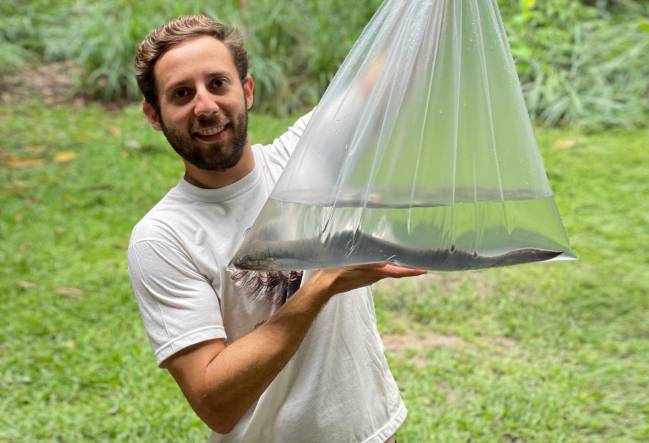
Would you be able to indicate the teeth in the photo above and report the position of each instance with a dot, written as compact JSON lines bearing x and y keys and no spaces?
{"x":211,"y":131}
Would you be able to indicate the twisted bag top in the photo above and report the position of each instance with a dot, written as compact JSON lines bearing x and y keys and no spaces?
{"x":420,"y":153}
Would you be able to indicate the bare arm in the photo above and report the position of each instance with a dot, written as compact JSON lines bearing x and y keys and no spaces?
{"x":221,"y":383}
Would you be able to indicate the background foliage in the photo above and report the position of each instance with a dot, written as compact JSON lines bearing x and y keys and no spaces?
{"x":581,"y":62}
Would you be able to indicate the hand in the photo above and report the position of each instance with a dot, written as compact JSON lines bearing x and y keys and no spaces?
{"x":345,"y":279}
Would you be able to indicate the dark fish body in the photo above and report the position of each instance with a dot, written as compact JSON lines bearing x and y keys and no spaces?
{"x":349,"y":248}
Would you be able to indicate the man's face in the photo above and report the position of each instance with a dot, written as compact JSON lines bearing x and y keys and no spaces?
{"x":203,"y":103}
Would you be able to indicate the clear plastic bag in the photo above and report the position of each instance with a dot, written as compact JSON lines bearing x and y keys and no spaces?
{"x":421,"y":153}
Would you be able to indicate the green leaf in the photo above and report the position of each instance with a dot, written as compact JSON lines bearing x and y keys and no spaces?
{"x":644,"y":26}
{"x":526,"y":7}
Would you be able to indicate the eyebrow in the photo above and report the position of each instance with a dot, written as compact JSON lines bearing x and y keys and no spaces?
{"x":178,"y":83}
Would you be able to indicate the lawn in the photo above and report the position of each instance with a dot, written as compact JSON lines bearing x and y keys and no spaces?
{"x":539,"y":353}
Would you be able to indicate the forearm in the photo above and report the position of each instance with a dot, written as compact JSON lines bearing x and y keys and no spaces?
{"x":223,"y":382}
{"x":237,"y":377}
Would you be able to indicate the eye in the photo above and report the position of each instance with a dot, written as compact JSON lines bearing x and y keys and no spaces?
{"x":217,"y":83}
{"x":180,"y":93}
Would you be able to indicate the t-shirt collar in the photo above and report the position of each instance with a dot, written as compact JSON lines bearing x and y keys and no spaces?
{"x":225,"y":193}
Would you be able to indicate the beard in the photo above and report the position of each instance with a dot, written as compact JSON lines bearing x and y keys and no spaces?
{"x":216,"y":156}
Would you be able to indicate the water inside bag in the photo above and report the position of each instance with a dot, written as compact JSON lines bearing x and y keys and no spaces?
{"x":421,"y":153}
{"x":470,"y":235}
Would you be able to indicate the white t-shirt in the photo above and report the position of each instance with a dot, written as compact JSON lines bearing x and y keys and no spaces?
{"x":336,"y":388}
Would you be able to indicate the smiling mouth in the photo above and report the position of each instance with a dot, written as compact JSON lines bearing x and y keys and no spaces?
{"x":212,"y":134}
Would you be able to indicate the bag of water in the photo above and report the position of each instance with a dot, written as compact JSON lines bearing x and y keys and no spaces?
{"x":421,"y":154}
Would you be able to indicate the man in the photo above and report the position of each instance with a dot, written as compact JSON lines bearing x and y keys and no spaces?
{"x":255,"y":365}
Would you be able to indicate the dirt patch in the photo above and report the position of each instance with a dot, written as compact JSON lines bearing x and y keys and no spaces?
{"x":419,"y":343}
{"x":53,"y":82}
{"x":505,"y":343}
{"x":445,"y":282}
{"x":401,"y":342}
{"x":414,"y":345}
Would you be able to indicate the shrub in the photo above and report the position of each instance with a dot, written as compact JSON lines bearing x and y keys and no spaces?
{"x":580,"y":62}
{"x":34,"y":30}
{"x":296,"y":48}
{"x":579,"y":66}
{"x":18,"y":38}
{"x":291,"y":55}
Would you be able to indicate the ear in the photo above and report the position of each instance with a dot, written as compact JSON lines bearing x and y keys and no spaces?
{"x":248,"y":90}
{"x":151,"y":115}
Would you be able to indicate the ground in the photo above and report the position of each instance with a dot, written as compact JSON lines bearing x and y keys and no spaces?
{"x":534,"y":353}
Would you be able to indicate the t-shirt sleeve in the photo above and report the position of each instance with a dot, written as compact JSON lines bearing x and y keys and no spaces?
{"x":282,"y":148}
{"x":179,"y":306}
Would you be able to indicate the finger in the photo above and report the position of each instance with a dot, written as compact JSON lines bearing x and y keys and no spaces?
{"x":369,"y":267}
{"x":388,"y":270}
{"x":400,"y":271}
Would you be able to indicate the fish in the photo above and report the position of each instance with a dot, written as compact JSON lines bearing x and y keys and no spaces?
{"x":349,"y":248}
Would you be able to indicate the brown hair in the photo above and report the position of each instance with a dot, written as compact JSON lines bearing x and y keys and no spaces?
{"x":176,"y":31}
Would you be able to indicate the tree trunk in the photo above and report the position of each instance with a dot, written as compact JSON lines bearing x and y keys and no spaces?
{"x":244,"y":13}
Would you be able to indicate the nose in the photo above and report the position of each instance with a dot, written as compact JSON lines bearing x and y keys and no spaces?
{"x":205,"y":103}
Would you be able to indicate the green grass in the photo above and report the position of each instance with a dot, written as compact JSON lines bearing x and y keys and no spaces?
{"x":552,"y":352}
{"x":547,"y":352}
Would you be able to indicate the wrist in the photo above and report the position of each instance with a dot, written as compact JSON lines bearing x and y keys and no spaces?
{"x":322,"y":285}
